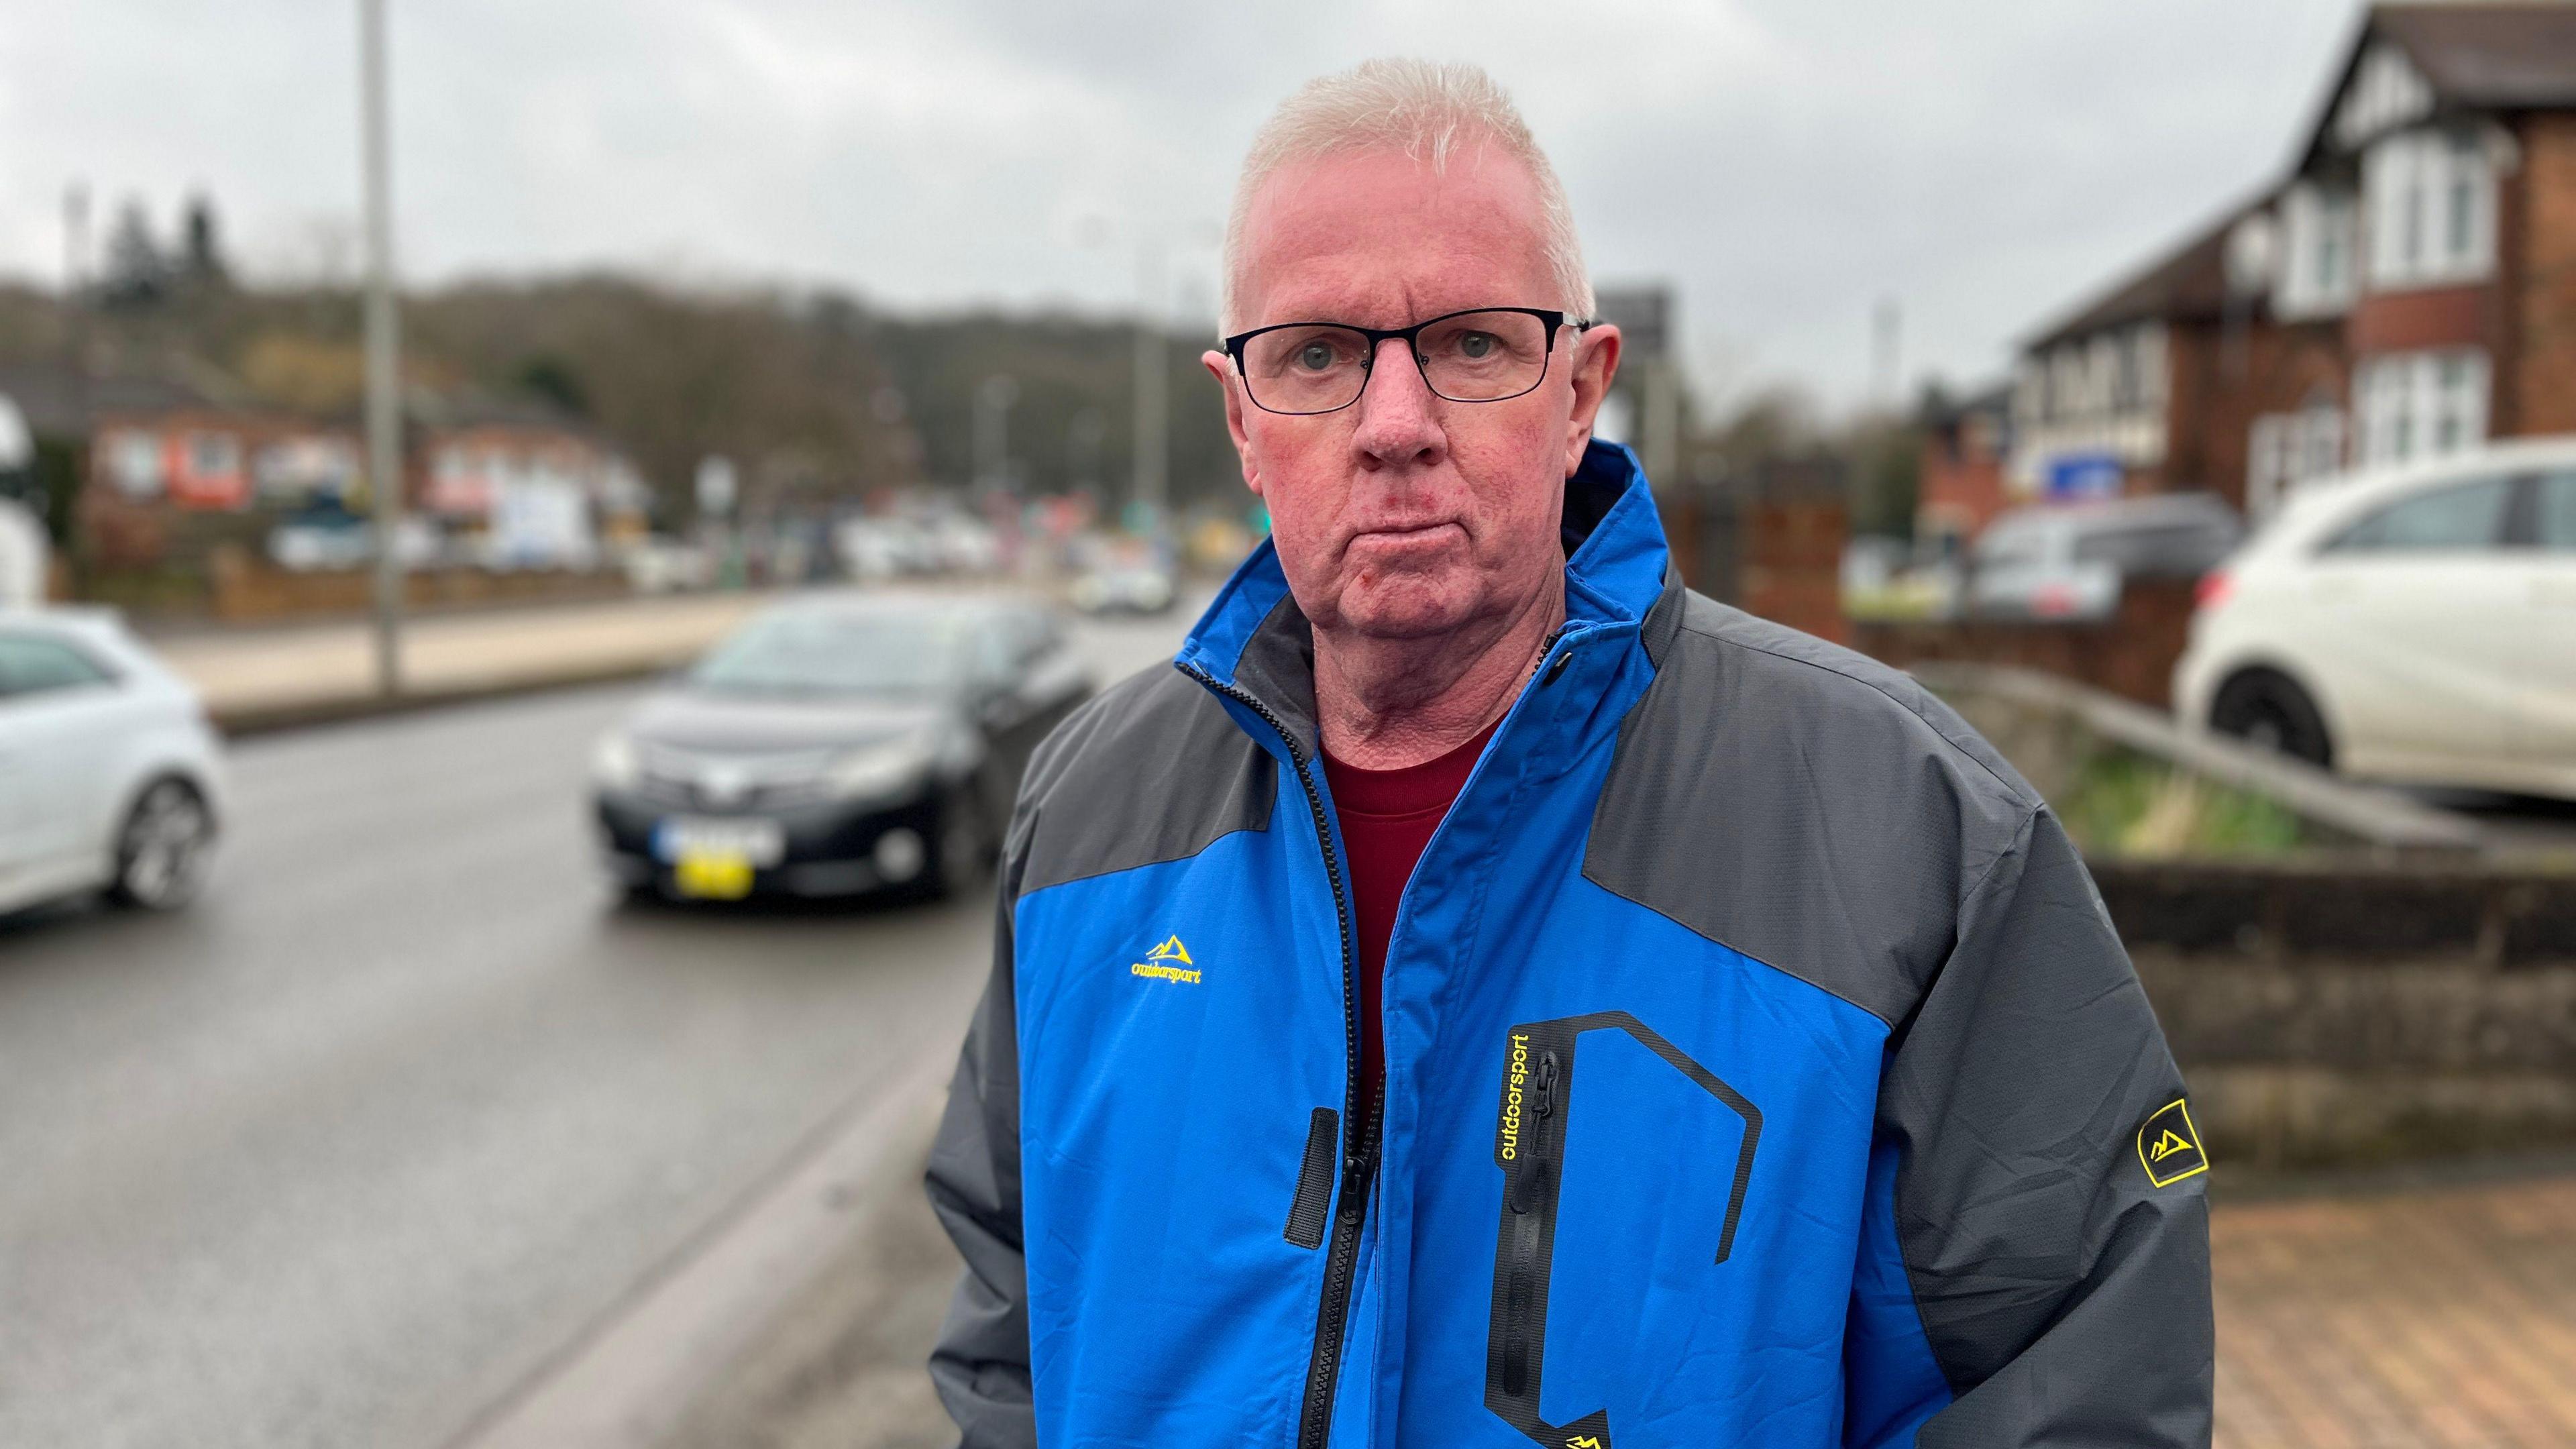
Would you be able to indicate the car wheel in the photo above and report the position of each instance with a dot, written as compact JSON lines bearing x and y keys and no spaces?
{"x":2265,"y":707}
{"x":163,"y":849}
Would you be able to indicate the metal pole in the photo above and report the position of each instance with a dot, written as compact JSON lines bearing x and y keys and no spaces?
{"x":1152,"y":410}
{"x":384,"y":351}
{"x":76,"y":334}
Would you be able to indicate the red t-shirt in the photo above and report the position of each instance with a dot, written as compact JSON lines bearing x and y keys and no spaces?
{"x":1387,"y":817}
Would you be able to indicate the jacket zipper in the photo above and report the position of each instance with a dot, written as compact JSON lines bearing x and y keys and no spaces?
{"x":1524,"y":1199}
{"x":1359,"y":1166}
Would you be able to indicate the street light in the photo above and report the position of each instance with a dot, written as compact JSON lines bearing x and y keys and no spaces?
{"x":993,"y":399}
{"x":1153,"y":409}
{"x":384,"y":348}
{"x":1152,"y":392}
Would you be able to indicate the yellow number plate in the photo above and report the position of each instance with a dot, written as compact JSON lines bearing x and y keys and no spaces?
{"x":715,"y":875}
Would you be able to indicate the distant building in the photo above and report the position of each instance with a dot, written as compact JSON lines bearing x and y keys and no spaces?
{"x":1960,"y":479}
{"x":527,"y":490}
{"x":2409,"y":287}
{"x":168,"y":474}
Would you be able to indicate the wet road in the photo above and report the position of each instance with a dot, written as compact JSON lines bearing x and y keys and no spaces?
{"x":341,"y":1153}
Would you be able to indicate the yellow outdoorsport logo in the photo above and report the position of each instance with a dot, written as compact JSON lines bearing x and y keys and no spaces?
{"x":1584,"y":1441}
{"x":1515,"y":1077}
{"x":2169,"y":1146}
{"x":1169,"y":961}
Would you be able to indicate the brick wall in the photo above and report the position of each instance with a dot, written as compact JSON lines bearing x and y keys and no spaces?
{"x":2220,"y":384}
{"x":2131,"y":654}
{"x":1792,"y":573}
{"x":2536,"y":386}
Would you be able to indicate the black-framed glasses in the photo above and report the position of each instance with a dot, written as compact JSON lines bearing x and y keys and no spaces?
{"x":1486,"y":354}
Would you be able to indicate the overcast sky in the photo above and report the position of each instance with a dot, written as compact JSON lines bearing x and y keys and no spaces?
{"x":1783,"y":163}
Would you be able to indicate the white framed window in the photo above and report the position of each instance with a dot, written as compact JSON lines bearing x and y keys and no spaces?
{"x":213,"y":455}
{"x":2318,"y":231}
{"x":2429,"y":196}
{"x":2420,"y":404}
{"x":134,"y":460}
{"x":2288,"y":450}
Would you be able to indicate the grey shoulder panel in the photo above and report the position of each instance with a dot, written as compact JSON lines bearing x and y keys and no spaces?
{"x":1804,"y":805}
{"x":1152,"y":769}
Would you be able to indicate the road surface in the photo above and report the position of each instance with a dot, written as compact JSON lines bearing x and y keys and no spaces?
{"x":343,"y":1153}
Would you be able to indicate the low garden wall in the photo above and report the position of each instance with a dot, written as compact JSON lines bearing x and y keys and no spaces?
{"x":244,"y":590}
{"x":2348,"y":1012}
{"x":2345,"y":976}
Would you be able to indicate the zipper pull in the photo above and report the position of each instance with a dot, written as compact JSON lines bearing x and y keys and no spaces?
{"x":1546,"y":1085}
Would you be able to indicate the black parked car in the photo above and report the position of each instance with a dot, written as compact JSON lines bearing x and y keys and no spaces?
{"x":834,"y":745}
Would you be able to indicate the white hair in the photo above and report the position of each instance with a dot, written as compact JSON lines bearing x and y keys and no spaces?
{"x":1427,"y":111}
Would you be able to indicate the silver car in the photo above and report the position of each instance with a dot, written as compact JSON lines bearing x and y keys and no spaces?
{"x":2067,"y":561}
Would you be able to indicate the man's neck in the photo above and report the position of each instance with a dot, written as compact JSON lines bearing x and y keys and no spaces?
{"x":1384,"y":704}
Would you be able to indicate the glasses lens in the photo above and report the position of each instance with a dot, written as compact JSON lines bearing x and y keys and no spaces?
{"x":1306,"y":369}
{"x":1484,"y":356}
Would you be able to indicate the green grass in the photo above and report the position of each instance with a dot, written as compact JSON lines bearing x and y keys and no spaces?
{"x":2122,"y":803}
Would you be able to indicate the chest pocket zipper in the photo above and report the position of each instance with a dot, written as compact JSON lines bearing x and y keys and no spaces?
{"x":1529,"y":1147}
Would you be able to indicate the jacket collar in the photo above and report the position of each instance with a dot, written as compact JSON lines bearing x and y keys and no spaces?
{"x":1253,"y":642}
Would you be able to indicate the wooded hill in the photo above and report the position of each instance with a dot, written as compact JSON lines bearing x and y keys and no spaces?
{"x":815,"y":394}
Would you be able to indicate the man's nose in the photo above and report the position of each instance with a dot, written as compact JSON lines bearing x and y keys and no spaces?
{"x":1399,"y":423}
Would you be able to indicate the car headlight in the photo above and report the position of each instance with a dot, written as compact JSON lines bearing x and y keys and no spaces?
{"x":615,"y":763}
{"x":886,"y":768}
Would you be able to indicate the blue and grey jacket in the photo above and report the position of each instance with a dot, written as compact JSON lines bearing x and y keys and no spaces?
{"x":1761,"y":1069}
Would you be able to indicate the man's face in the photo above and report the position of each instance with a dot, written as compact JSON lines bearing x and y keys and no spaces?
{"x":1404,"y":514}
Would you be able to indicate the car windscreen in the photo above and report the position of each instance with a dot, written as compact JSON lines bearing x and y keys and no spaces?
{"x":839,"y":652}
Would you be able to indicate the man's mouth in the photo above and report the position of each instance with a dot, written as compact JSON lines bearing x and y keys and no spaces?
{"x":1400,"y":535}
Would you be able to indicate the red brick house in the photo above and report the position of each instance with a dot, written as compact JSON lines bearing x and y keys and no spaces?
{"x":2408,"y":288}
{"x":1960,"y":477}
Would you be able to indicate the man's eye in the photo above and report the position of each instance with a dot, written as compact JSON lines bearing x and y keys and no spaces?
{"x":1477,"y":345}
{"x":1315,"y":357}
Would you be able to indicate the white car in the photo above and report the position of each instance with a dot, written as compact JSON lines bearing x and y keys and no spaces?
{"x":110,"y":777}
{"x":2414,"y":625}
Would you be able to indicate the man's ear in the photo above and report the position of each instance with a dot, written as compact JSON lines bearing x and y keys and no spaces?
{"x":1221,"y":367}
{"x":1596,"y":363}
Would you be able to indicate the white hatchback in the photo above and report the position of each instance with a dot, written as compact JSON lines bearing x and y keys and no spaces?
{"x":110,"y":777}
{"x":2414,"y":625}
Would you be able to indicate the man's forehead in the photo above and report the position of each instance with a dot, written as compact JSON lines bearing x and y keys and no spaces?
{"x":1379,"y":239}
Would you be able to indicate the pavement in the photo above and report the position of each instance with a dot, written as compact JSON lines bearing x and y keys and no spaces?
{"x":2436,"y":1317}
{"x":273,"y":677}
{"x":406,"y":1109}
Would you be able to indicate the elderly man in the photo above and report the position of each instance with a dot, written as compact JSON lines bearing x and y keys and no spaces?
{"x":1485,"y":993}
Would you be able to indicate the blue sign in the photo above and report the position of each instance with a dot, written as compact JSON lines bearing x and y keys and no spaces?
{"x":2083,"y":475}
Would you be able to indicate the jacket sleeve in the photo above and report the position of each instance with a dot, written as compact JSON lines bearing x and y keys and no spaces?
{"x":2060,"y":1283}
{"x":980,"y":1364}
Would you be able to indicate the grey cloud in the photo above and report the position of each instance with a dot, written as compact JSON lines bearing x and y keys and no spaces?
{"x":1786,"y":164}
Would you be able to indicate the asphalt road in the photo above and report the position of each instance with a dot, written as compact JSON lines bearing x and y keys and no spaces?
{"x":341,"y":1154}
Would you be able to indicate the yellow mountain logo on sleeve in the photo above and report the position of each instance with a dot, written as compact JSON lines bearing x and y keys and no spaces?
{"x":1169,"y":961}
{"x":2169,"y":1146}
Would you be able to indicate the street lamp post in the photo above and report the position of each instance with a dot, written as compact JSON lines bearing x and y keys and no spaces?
{"x":384,"y":349}
{"x":993,"y":399}
{"x":1153,"y":407}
